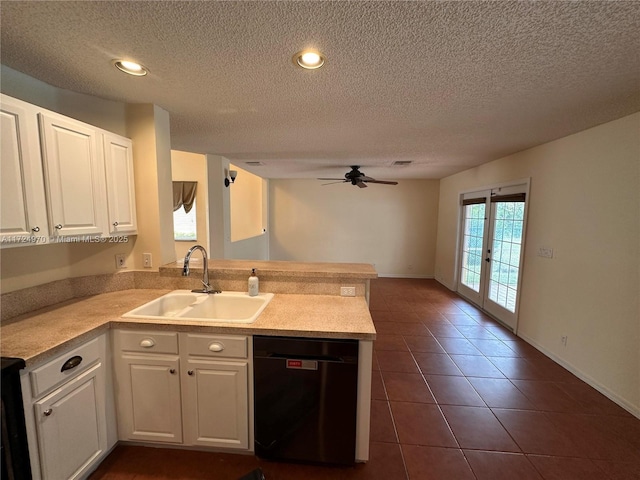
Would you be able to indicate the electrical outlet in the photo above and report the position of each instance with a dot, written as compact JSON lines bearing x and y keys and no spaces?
{"x":348,"y":291}
{"x":146,"y":260}
{"x":563,"y":340}
{"x":121,"y":261}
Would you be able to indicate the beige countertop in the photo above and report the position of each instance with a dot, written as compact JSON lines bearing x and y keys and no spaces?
{"x":40,"y":335}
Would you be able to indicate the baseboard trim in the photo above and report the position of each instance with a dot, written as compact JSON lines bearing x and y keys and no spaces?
{"x":400,"y":275}
{"x":632,"y":409}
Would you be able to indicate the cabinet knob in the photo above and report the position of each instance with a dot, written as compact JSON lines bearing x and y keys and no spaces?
{"x":147,"y":343}
{"x":190,"y":372}
{"x":216,"y":347}
{"x":35,"y":229}
{"x":48,"y":412}
{"x":172,"y":371}
{"x":115,"y":224}
{"x":58,"y":226}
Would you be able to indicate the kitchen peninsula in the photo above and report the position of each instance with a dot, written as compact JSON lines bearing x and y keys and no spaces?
{"x":307,"y":304}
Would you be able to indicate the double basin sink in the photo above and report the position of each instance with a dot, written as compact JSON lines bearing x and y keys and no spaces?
{"x":230,"y":307}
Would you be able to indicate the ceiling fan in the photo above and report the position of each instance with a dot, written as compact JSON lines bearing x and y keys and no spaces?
{"x":356,"y":177}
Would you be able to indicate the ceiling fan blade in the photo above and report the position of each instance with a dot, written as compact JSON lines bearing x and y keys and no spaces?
{"x":384,"y":182}
{"x":361,"y":184}
{"x":331,"y":183}
{"x":336,"y":179}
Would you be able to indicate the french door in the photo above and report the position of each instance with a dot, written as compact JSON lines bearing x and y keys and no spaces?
{"x":491,"y":250}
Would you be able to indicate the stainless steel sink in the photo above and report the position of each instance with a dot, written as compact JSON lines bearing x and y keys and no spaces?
{"x":232,"y":307}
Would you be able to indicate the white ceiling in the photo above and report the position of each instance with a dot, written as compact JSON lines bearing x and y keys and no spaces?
{"x":446,"y":85}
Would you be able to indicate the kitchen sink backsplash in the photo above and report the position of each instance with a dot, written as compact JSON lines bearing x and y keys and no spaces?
{"x":18,"y":302}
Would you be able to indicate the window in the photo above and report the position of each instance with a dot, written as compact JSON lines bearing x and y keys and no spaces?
{"x":184,"y":224}
{"x":184,"y":211}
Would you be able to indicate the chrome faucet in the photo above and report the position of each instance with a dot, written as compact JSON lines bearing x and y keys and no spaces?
{"x":205,"y":274}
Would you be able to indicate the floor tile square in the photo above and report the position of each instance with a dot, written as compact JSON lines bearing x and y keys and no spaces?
{"x":493,"y":348}
{"x":451,"y":390}
{"x":565,"y":468}
{"x":476,"y":366}
{"x":421,"y":424}
{"x":382,"y":428}
{"x":391,"y":361}
{"x":386,"y":341}
{"x":501,"y":466}
{"x":500,"y":393}
{"x":437,"y":364}
{"x":407,"y":387}
{"x":431,"y":463}
{"x":477,"y":428}
{"x":547,"y":396}
{"x":377,"y":387}
{"x":458,"y":346}
{"x":535,"y":433}
{"x":423,"y":344}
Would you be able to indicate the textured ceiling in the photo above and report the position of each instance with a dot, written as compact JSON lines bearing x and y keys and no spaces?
{"x":446,"y":85}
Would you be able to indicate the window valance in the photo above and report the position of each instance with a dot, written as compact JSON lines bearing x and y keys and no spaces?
{"x":184,"y":194}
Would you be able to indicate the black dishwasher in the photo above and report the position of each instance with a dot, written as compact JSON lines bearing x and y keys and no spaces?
{"x":305,"y":399}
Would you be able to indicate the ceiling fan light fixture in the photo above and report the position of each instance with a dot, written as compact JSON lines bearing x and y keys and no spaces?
{"x":131,"y":68}
{"x":309,"y":59}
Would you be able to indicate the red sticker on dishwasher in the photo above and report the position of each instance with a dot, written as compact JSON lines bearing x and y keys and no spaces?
{"x":302,"y":364}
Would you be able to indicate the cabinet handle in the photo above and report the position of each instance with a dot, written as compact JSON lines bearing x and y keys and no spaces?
{"x":48,"y":412}
{"x":216,"y":347}
{"x":172,"y":371}
{"x":73,"y":362}
{"x":147,"y":343}
{"x":115,"y":224}
{"x":58,"y":226}
{"x":190,"y":372}
{"x":35,"y":229}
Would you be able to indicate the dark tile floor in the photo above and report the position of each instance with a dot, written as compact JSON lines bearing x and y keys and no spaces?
{"x":455,"y":397}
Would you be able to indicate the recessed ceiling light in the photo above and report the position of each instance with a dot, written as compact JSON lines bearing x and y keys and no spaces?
{"x":132,"y":68}
{"x":309,"y":59}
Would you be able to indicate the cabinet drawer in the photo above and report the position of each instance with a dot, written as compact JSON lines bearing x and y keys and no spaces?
{"x":64,"y":367}
{"x":149,"y":342}
{"x":216,"y":345}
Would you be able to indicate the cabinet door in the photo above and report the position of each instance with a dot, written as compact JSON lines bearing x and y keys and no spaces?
{"x":216,"y":399}
{"x":148,"y":398}
{"x":74,"y":176}
{"x":120,"y":185}
{"x":71,"y":426}
{"x":23,"y":216}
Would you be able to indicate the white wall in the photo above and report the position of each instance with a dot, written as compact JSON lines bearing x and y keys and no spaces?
{"x":254,"y":248}
{"x":246,"y":205}
{"x":584,"y":203}
{"x":393,"y":227}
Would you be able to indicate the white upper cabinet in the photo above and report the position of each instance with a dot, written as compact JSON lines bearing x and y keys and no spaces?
{"x":120,"y":185}
{"x":62,"y":178}
{"x":23,"y":216}
{"x":74,"y":176}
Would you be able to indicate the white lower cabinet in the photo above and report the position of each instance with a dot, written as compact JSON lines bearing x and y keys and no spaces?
{"x":185,"y":388}
{"x":69,"y":432}
{"x":67,"y":396}
{"x":152,"y":387}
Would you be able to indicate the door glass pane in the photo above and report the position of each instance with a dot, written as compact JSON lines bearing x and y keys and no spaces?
{"x":505,"y":253}
{"x":472,"y":245}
